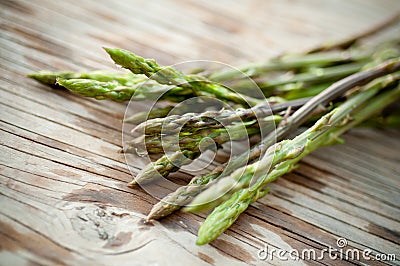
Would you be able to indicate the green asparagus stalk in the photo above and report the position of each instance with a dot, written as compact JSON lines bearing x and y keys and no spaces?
{"x":185,"y":194}
{"x":170,"y":76}
{"x":50,"y":78}
{"x":145,"y":90}
{"x":324,"y":132}
{"x":115,"y":86}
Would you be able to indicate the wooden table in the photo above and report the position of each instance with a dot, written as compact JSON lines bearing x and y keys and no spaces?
{"x":63,"y":189}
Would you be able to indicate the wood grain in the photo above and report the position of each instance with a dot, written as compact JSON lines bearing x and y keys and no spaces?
{"x":63,"y":193}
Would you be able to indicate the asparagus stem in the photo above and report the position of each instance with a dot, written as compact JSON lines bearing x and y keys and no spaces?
{"x":115,"y":86}
{"x":143,"y":90}
{"x":170,"y":76}
{"x":196,"y":105}
{"x":50,"y":78}
{"x":289,"y":152}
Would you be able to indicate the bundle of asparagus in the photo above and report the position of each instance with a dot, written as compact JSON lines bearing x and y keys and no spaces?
{"x":236,"y":189}
{"x":333,"y":88}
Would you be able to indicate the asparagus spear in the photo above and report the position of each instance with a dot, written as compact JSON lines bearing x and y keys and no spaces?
{"x":170,"y":76}
{"x":325,"y":131}
{"x":194,"y":105}
{"x":115,"y":86}
{"x":50,"y":78}
{"x":144,"y":90}
{"x":183,"y":195}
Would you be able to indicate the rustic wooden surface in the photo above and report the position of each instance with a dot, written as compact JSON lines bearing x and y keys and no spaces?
{"x":63,"y":193}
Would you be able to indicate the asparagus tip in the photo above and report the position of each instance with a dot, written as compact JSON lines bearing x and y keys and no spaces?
{"x":149,"y":218}
{"x":132,"y":184}
{"x":45,"y":77}
{"x":107,"y":49}
{"x":113,"y":51}
{"x":201,"y":241}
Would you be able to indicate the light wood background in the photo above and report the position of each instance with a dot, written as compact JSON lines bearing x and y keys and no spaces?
{"x":63,"y":194}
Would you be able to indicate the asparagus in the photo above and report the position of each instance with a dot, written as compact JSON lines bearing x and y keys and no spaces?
{"x":144,"y":90}
{"x":149,"y":175}
{"x":215,"y":119}
{"x":193,"y":105}
{"x":183,"y":195}
{"x":190,"y":140}
{"x":292,"y":62}
{"x":170,"y":76}
{"x":311,"y":73}
{"x":311,"y":78}
{"x":314,"y":76}
{"x":289,"y":152}
{"x":203,"y":199}
{"x":158,"y":144}
{"x":189,"y":148}
{"x":50,"y":78}
{"x":115,"y":86}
